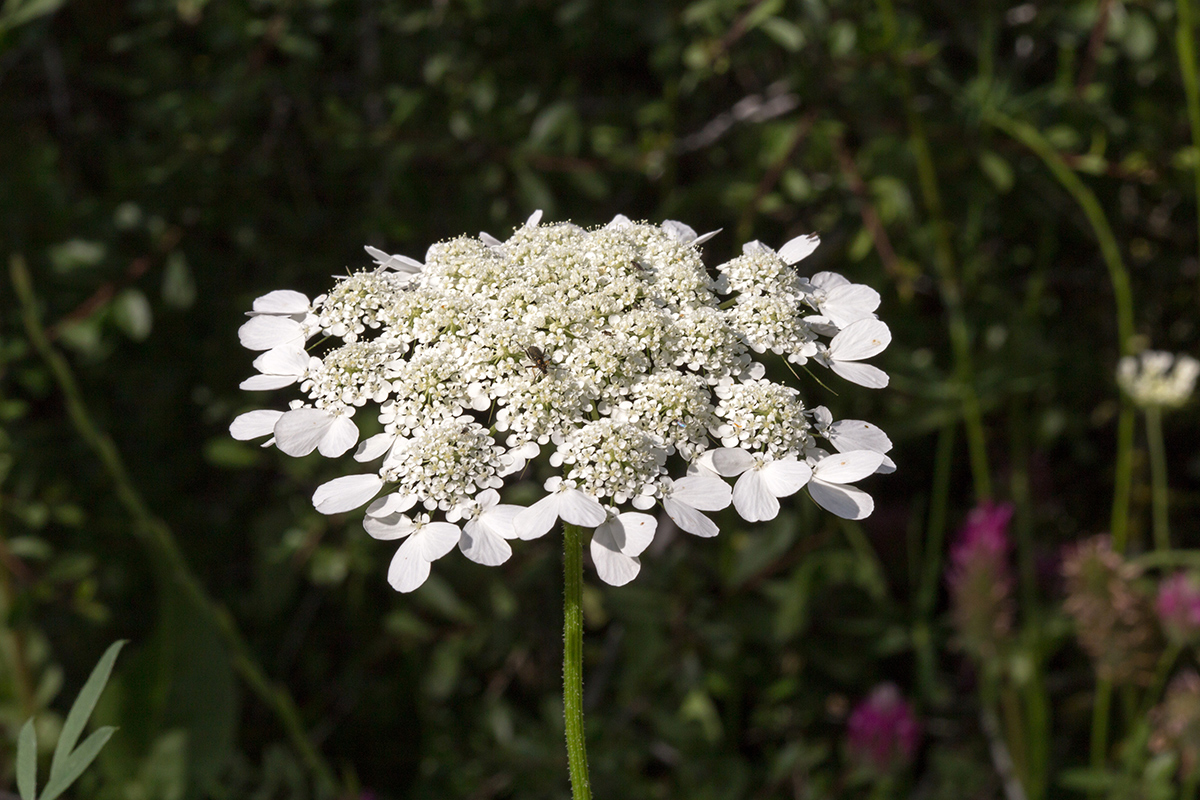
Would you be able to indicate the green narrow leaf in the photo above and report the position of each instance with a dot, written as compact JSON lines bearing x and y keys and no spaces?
{"x":77,"y":762}
{"x":82,"y":709}
{"x":27,"y":762}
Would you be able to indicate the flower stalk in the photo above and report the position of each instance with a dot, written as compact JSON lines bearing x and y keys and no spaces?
{"x":577,"y":762}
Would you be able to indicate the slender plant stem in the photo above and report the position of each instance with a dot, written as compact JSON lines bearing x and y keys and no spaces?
{"x":1100,"y":709}
{"x":1185,"y":48}
{"x":156,"y":536}
{"x":1118,"y":275}
{"x":1158,"y":480}
{"x":931,"y":560}
{"x":1168,"y":558}
{"x":573,"y":660}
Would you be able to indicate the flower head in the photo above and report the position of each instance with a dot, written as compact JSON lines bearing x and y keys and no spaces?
{"x":609,"y":351}
{"x":1156,"y":379}
{"x":882,"y":732}
{"x":980,"y":580}
{"x":1114,"y":616}
{"x":1178,"y":607}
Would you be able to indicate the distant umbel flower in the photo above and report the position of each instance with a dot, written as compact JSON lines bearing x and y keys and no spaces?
{"x":1156,"y":379}
{"x":1114,"y":615}
{"x":980,"y":580}
{"x":610,"y":351}
{"x":882,"y":732}
{"x":1175,"y":723}
{"x":1178,"y":607}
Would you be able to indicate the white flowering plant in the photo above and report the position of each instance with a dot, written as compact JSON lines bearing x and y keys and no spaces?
{"x":613,"y":352}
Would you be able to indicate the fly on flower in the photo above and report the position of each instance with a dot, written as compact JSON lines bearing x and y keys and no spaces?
{"x":540,"y":362}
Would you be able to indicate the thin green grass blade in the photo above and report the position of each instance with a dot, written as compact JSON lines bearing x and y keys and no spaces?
{"x":81,"y":711}
{"x":27,"y":762}
{"x":77,"y":762}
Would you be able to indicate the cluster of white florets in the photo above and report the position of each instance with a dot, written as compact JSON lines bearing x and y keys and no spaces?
{"x":613,"y":351}
{"x":1157,"y":379}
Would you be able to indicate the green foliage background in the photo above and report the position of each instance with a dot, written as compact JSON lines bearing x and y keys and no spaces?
{"x":167,"y":162}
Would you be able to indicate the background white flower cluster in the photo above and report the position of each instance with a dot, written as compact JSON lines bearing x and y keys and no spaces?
{"x":613,"y":351}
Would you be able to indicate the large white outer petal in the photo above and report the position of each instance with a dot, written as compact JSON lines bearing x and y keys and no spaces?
{"x":828,"y":281}
{"x":799,"y":248}
{"x":785,"y":477}
{"x":283,"y":361}
{"x":848,"y":304}
{"x":752,"y":499}
{"x":346,"y":493}
{"x":408,"y":570}
{"x":265,"y":383}
{"x":341,"y":436}
{"x":614,"y":567}
{"x":689,"y":519}
{"x":482,"y":545}
{"x":387,"y":528}
{"x":539,"y":518}
{"x":437,"y":539}
{"x":859,"y":340}
{"x":500,"y":519}
{"x":254,"y":424}
{"x":730,"y":461}
{"x":857,"y":434}
{"x":281,"y":301}
{"x":637,"y":532}
{"x":268,"y":332}
{"x":374,"y":446}
{"x":299,"y":431}
{"x":863,"y":374}
{"x":845,"y":501}
{"x":847,"y":467}
{"x":579,"y":508}
{"x":702,"y":492}
{"x":393,"y":503}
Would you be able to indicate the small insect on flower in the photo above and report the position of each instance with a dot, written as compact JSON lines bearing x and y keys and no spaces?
{"x":538,"y":358}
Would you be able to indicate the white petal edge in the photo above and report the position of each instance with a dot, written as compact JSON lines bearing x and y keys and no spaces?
{"x":752,"y":500}
{"x":437,"y":539}
{"x":299,"y":431}
{"x":799,"y":248}
{"x":265,"y":383}
{"x":281,"y":301}
{"x":253,"y":424}
{"x":689,"y":519}
{"x":862,"y":374}
{"x":268,"y":332}
{"x":785,"y":477}
{"x":614,"y":567}
{"x":538,"y":519}
{"x":848,"y":467}
{"x":859,"y":340}
{"x":341,"y":436}
{"x":408,"y":570}
{"x":579,"y":508}
{"x":846,"y":502}
{"x":483,"y":546}
{"x":702,"y":492}
{"x":346,"y":493}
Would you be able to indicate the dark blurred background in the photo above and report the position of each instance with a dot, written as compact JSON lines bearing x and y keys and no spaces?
{"x":164,"y":163}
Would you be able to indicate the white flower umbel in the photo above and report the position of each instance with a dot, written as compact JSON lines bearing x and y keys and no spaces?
{"x":1156,"y":379}
{"x":611,"y":355}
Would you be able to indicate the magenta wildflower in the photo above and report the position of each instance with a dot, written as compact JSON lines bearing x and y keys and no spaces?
{"x":882,"y":733}
{"x":980,"y":580}
{"x":1178,"y":607}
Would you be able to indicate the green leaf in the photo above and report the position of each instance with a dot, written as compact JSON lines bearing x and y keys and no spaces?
{"x":77,"y":762}
{"x":78,"y":716}
{"x":27,"y":762}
